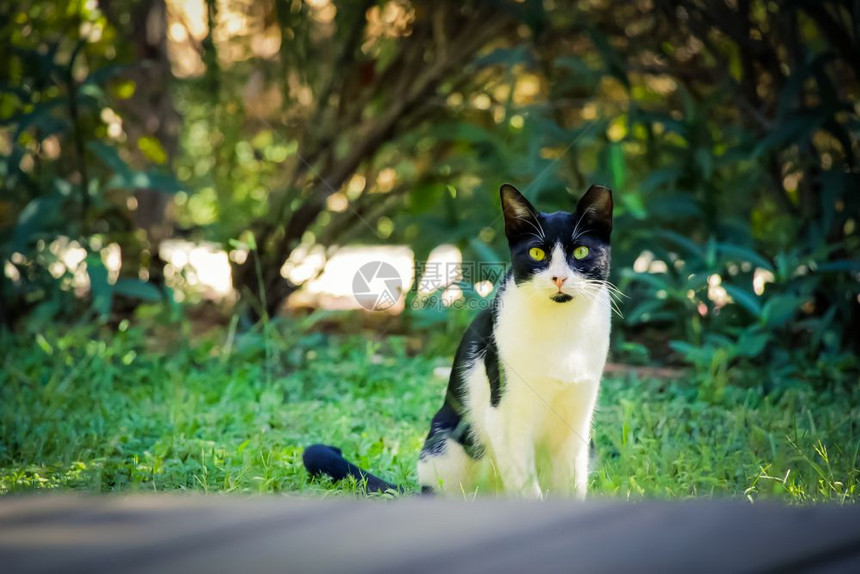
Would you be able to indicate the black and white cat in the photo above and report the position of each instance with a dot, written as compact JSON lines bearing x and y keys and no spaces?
{"x":518,"y":409}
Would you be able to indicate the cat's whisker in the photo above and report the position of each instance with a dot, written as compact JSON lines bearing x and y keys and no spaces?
{"x":611,"y":287}
{"x":615,"y":295}
{"x":617,"y":304}
{"x":537,"y":227}
{"x":591,"y":295}
{"x":537,"y":220}
{"x":609,"y":301}
{"x":592,"y":287}
{"x":615,"y":308}
{"x":614,"y":303}
{"x":574,"y":236}
{"x":614,"y":288}
{"x":536,"y":236}
{"x":576,"y":233}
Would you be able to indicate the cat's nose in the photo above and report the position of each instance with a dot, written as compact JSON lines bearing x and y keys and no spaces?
{"x":559,"y":281}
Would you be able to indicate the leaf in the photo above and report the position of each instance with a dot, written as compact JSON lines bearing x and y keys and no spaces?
{"x":788,"y":132}
{"x":752,"y":342}
{"x":644,"y":312}
{"x":39,"y":215}
{"x":744,"y":254}
{"x":711,"y":252}
{"x":633,"y":203}
{"x":145,"y":180}
{"x":138,"y":289}
{"x":790,"y":95}
{"x":661,"y":178}
{"x":822,"y":325}
{"x":580,"y":72}
{"x":670,"y":124}
{"x":20,"y":93}
{"x":683,"y":242}
{"x":614,"y":62}
{"x":109,"y":156}
{"x":692,"y":353}
{"x":484,"y":251}
{"x":124,"y":89}
{"x":464,"y":132}
{"x":126,"y":178}
{"x":152,"y":149}
{"x":40,"y":117}
{"x":506,"y":56}
{"x":745,"y":299}
{"x":705,"y":162}
{"x":656,"y":280}
{"x":696,"y":281}
{"x":91,"y":95}
{"x":617,"y":166}
{"x":673,"y":207}
{"x":105,"y":73}
{"x":850,"y":265}
{"x":780,"y":309}
{"x":100,"y":288}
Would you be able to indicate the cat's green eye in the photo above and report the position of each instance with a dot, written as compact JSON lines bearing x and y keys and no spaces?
{"x":537,"y":253}
{"x":580,"y":252}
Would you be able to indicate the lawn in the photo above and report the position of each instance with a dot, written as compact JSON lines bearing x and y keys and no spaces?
{"x":146,"y":410}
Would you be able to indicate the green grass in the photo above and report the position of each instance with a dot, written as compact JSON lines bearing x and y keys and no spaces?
{"x":142,"y":410}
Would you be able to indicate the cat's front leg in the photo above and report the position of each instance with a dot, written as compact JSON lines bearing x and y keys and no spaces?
{"x":570,"y":439}
{"x":515,"y":463}
{"x":569,"y":474}
{"x":580,"y":472}
{"x":513,"y":453}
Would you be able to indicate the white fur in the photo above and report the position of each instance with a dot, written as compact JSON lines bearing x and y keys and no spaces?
{"x":552,"y":356}
{"x":452,"y":472}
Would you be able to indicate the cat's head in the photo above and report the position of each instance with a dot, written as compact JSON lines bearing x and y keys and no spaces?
{"x":559,"y":256}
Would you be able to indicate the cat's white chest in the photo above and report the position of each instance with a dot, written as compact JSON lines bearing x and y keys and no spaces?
{"x":557,"y":344}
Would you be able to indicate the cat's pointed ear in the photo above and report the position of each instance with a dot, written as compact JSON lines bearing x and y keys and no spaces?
{"x":594,"y":210}
{"x":520,"y":215}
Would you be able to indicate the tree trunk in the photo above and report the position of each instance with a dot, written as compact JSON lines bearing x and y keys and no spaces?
{"x":149,"y":112}
{"x":451,"y":37}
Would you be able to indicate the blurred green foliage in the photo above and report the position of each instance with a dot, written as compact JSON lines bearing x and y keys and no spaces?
{"x":729,"y":132}
{"x":66,"y":178}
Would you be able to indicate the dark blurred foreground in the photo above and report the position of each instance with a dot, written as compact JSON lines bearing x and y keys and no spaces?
{"x":197,"y":534}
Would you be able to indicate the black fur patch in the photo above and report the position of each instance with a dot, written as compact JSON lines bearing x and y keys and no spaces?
{"x":447,"y":424}
{"x":590,"y":225}
{"x":494,"y":374}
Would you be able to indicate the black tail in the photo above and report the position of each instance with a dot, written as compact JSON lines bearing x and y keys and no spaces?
{"x":321,"y":459}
